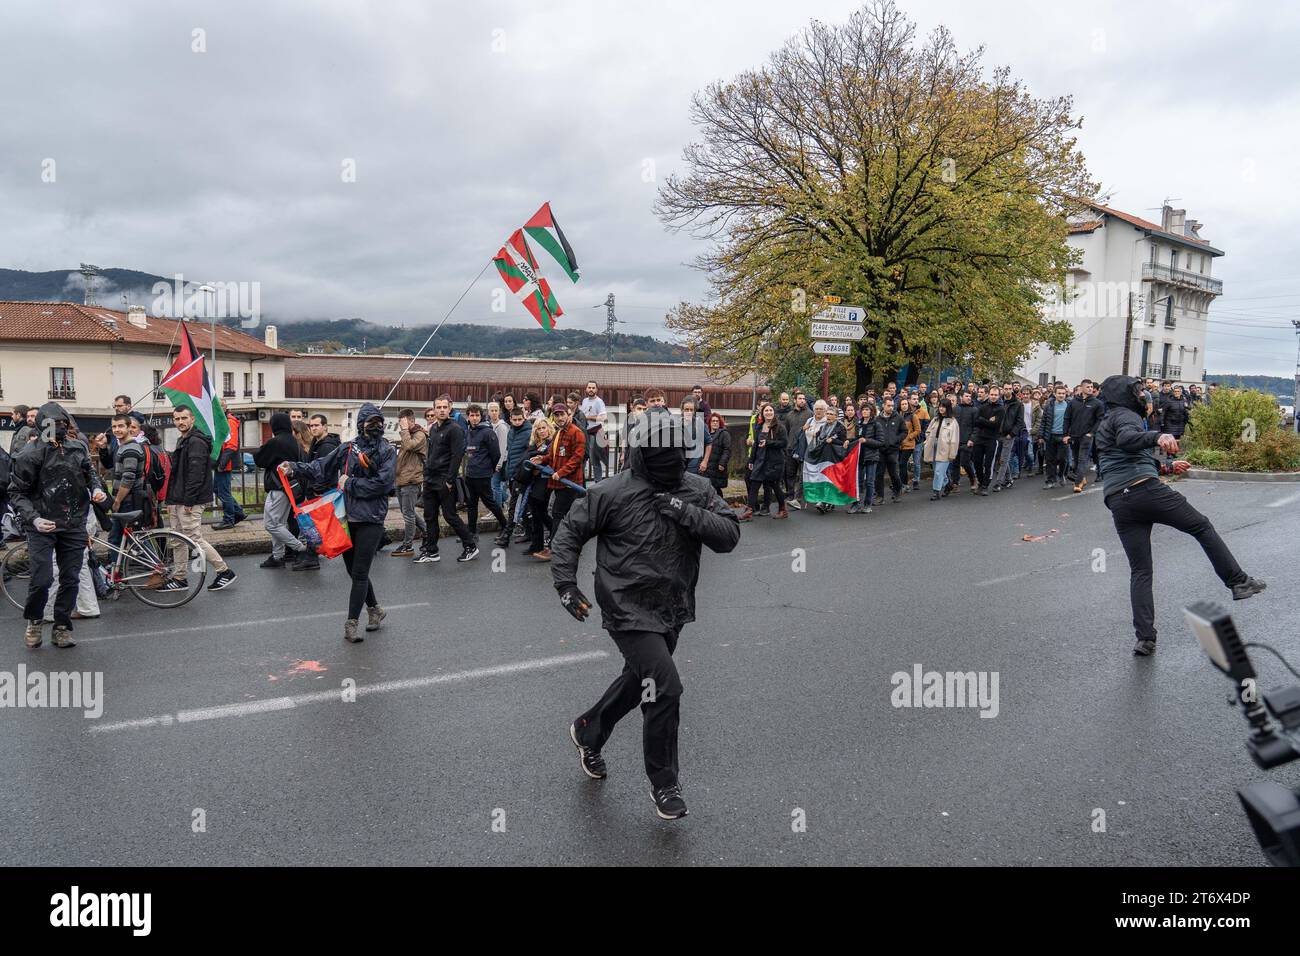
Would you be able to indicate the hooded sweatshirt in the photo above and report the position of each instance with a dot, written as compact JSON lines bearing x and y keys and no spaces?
{"x":1125,"y":449}
{"x":53,"y":481}
{"x":282,"y":446}
{"x":370,"y":465}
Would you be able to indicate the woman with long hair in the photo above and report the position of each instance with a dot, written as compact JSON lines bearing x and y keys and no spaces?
{"x":868,"y":458}
{"x":303,"y":434}
{"x":767,"y":462}
{"x":540,"y":454}
{"x":718,"y":456}
{"x":941,"y":447}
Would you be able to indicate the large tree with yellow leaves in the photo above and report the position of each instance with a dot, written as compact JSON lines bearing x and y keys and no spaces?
{"x":896,"y":173}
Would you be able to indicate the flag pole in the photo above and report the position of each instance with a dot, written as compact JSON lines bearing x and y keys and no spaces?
{"x":432,"y":334}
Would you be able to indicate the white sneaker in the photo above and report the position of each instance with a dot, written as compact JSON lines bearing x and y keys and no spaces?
{"x":794,"y":503}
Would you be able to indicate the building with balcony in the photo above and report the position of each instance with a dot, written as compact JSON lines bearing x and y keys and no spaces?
{"x":1138,"y":299}
{"x":82,"y":356}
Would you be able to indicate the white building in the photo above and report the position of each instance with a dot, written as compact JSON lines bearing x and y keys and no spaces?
{"x":82,"y":356}
{"x":1138,"y":299}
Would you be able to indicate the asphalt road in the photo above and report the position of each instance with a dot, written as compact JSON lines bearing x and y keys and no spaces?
{"x":233,"y":706}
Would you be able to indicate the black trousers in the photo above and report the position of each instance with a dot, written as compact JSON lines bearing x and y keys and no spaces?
{"x":562,"y":500}
{"x":771,"y":487}
{"x":888,"y":465}
{"x":1055,"y":452}
{"x":70,"y":548}
{"x":982,"y":455}
{"x":537,"y":511}
{"x":438,"y":499}
{"x":649,"y":680}
{"x":366,"y":536}
{"x":1135,"y":510}
{"x":964,"y":463}
{"x":480,"y":489}
{"x":1082,"y":456}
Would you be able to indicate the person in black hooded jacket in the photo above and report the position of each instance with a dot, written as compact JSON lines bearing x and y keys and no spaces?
{"x":366,"y":470}
{"x":650,"y":522}
{"x":277,"y":509}
{"x":51,"y":485}
{"x":1137,"y":499}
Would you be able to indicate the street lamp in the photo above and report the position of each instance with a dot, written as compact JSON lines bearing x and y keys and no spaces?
{"x":208,"y":290}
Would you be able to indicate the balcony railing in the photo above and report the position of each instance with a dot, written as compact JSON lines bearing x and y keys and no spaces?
{"x":248,"y":393}
{"x":64,"y":391}
{"x":1191,"y":280}
{"x":1161,"y":371}
{"x":227,"y":393}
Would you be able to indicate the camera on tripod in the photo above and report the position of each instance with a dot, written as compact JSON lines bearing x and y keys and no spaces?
{"x":1274,"y":718}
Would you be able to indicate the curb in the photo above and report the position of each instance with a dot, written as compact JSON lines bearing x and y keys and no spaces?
{"x":1262,"y":476}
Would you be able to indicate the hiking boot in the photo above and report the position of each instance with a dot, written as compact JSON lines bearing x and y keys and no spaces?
{"x":62,"y":637}
{"x":350,"y":631}
{"x":1144,"y":648}
{"x":33,"y":637}
{"x":668,"y":802}
{"x":402,"y":551}
{"x":375,"y":617}
{"x":593,"y":764}
{"x":272,"y":562}
{"x":1247,"y":588}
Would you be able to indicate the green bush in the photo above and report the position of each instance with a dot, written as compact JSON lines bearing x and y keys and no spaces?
{"x":1279,"y":450}
{"x":1211,"y":458}
{"x":1222,"y":424}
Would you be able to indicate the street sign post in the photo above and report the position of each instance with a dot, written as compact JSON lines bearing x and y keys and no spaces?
{"x":841,"y":313}
{"x":832,"y":348}
{"x":838,"y":330}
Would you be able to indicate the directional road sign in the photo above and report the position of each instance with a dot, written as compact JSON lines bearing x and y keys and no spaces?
{"x":832,"y":348}
{"x":838,"y":330}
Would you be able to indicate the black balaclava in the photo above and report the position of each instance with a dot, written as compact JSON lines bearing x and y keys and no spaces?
{"x":661,"y":459}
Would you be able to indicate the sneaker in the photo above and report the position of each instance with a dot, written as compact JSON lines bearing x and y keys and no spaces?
{"x":428,"y":557}
{"x":33,"y":636}
{"x":502,"y":540}
{"x":916,"y":485}
{"x":521,"y":534}
{"x":78,"y":616}
{"x":984,"y":492}
{"x":175,"y":585}
{"x":1249,"y":587}
{"x":542,"y":555}
{"x":1049,"y":484}
{"x":853,"y":508}
{"x":306,"y":561}
{"x":469,"y":554}
{"x":997,"y":487}
{"x":668,"y":802}
{"x":894,"y":500}
{"x":223,"y":580}
{"x":350,"y":631}
{"x":866,"y":510}
{"x":62,"y":637}
{"x":272,"y":562}
{"x":935,"y":496}
{"x":375,"y":617}
{"x":403,"y":551}
{"x":1144,"y":648}
{"x":794,"y":503}
{"x":593,"y":764}
{"x":224,"y":526}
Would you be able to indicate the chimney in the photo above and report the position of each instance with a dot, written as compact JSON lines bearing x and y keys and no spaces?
{"x":1172,"y":220}
{"x":136,"y":316}
{"x":1193,"y":229}
{"x":272,"y":337}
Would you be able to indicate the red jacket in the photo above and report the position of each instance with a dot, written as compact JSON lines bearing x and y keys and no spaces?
{"x":231,"y":444}
{"x":567,"y":451}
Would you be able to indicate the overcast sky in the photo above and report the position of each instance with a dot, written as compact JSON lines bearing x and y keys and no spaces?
{"x":463,"y":118}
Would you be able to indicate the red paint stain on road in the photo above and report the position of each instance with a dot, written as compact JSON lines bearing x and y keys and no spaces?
{"x":303,"y":667}
{"x":1040,"y":537}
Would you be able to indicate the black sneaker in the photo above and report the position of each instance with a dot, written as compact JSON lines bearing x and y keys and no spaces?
{"x":1049,"y":484}
{"x":469,"y":554}
{"x":428,"y":557}
{"x":174,"y":585}
{"x":272,"y":562}
{"x":223,"y":580}
{"x":997,"y":488}
{"x":593,"y":764}
{"x":984,"y":492}
{"x":402,"y":551}
{"x":502,"y":540}
{"x":223,"y":526}
{"x":1250,"y":587}
{"x":306,"y":561}
{"x":668,"y":802}
{"x":1144,"y":648}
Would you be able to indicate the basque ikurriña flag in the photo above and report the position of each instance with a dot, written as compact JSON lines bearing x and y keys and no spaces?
{"x":186,"y":385}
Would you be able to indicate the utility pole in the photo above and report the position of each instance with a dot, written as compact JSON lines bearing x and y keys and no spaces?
{"x":1295,"y":401}
{"x":609,"y":327}
{"x":826,"y":377}
{"x":1128,"y":334}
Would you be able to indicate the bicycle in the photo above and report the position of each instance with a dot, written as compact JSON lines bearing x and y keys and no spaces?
{"x":144,"y":564}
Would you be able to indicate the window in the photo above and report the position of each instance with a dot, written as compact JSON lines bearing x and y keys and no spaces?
{"x":61,"y":383}
{"x":248,"y":385}
{"x":1173,"y":258}
{"x":228,"y":384}
{"x":1146,"y":357}
{"x":1042,"y":378}
{"x":157,"y":380}
{"x":1165,"y":357}
{"x":261,"y":384}
{"x":1154,"y":252}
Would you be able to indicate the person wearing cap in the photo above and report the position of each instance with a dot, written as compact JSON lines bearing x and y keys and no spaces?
{"x":650,"y":522}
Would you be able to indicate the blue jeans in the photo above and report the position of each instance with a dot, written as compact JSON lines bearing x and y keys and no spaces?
{"x":499,"y":491}
{"x":940,"y":476}
{"x":916,"y":462}
{"x":868,"y":489}
{"x":230,"y":509}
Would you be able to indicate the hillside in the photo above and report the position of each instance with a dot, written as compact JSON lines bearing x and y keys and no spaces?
{"x":1283,"y":388}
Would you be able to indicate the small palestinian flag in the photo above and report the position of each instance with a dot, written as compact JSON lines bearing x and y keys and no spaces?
{"x":830,"y":475}
{"x":518,"y":269}
{"x":545,"y":231}
{"x":186,"y":385}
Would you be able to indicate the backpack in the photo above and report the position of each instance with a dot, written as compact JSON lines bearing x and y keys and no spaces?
{"x":157,"y":472}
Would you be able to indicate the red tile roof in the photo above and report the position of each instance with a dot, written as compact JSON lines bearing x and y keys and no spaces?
{"x":69,"y":322}
{"x":1149,"y":226}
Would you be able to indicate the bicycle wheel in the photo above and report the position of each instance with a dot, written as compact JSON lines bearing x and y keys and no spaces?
{"x":147,"y":568}
{"x":15,"y":572}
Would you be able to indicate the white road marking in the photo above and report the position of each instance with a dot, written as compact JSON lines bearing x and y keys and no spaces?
{"x":1040,"y":570}
{"x":1079,"y":495}
{"x":1284,"y":501}
{"x":831,"y":544}
{"x":325,"y":696}
{"x":229,"y":624}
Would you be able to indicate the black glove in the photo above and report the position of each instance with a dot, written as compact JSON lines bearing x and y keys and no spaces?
{"x":575,"y":602}
{"x":670,"y":505}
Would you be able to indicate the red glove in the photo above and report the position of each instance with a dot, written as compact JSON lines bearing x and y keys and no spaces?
{"x":1181,"y":467}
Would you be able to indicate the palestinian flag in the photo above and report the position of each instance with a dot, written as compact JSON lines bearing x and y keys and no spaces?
{"x":830,"y":475}
{"x":186,"y":385}
{"x":545,"y":231}
{"x":518,"y":269}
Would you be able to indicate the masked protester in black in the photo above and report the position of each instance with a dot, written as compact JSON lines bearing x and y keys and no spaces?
{"x":650,"y":521}
{"x":52,"y":486}
{"x":1137,"y":499}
